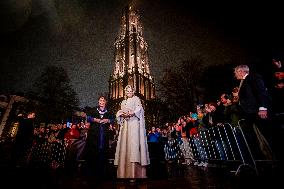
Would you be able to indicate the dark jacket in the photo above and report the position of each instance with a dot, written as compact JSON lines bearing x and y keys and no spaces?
{"x":253,"y":94}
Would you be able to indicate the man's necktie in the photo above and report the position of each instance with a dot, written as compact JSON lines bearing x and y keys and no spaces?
{"x":241,"y":83}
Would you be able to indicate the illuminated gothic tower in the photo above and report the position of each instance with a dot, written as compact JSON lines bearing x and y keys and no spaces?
{"x":131,"y":61}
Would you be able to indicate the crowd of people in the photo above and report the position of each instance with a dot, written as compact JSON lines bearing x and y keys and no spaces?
{"x":249,"y":109}
{"x":122,"y":135}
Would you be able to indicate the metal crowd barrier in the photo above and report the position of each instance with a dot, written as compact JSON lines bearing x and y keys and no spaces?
{"x":223,"y":143}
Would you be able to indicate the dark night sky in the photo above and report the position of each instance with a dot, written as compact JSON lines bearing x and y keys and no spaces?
{"x":79,"y":35}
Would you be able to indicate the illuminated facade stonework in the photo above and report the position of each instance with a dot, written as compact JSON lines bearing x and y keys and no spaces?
{"x":131,"y":61}
{"x":9,"y":106}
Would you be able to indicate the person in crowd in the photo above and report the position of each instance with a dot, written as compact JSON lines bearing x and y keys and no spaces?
{"x":82,"y":141}
{"x":164,"y":135}
{"x":97,"y":141}
{"x":38,"y":157}
{"x":72,"y":134}
{"x":211,"y":117}
{"x":153,"y":135}
{"x":277,"y":107}
{"x":225,"y":108}
{"x":214,"y":118}
{"x":154,"y":143}
{"x":278,"y":86}
{"x":172,"y":150}
{"x":254,"y":104}
{"x":57,"y":152}
{"x":132,"y":155}
{"x":71,"y":138}
{"x":184,"y":145}
{"x":24,"y":139}
{"x":112,"y":135}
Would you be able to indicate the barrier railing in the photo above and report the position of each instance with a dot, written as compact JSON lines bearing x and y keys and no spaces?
{"x":223,"y":143}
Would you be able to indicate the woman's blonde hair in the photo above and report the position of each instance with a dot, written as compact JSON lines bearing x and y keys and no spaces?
{"x":128,"y":87}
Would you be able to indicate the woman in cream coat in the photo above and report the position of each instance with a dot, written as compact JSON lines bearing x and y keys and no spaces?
{"x":131,"y":156}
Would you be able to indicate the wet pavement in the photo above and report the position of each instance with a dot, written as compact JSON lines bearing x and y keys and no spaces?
{"x":161,"y":175}
{"x":166,"y":176}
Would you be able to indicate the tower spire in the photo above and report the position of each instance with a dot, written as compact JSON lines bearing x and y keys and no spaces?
{"x":131,"y":61}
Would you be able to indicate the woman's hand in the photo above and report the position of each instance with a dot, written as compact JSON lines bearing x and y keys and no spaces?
{"x":130,"y":113}
{"x":125,"y":115}
{"x":105,"y":121}
{"x":262,"y":114}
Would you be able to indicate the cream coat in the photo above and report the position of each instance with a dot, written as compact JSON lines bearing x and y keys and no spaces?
{"x":132,"y":134}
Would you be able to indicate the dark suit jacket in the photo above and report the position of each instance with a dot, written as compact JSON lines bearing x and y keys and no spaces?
{"x":253,"y":94}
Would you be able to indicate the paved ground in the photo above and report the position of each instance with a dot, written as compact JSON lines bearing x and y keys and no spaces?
{"x":188,"y":177}
{"x":160,"y":176}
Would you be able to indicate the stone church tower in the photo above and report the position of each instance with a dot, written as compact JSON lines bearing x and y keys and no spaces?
{"x":131,"y":61}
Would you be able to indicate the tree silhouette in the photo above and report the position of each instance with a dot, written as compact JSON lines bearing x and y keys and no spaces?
{"x":218,"y":79}
{"x":179,"y":87}
{"x":56,"y":98}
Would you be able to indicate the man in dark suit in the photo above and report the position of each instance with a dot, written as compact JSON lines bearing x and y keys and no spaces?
{"x":254,"y":105}
{"x":23,"y":140}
